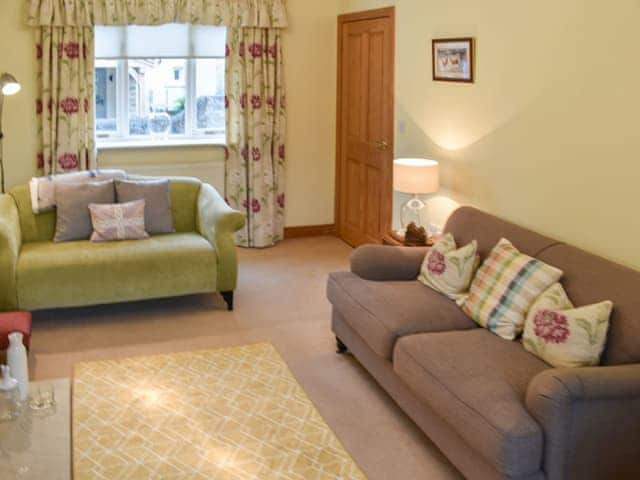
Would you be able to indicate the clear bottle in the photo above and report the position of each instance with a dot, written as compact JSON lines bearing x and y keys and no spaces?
{"x":17,"y":361}
{"x":9,"y":395}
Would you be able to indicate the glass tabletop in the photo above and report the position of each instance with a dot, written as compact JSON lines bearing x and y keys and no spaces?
{"x":37,"y":444}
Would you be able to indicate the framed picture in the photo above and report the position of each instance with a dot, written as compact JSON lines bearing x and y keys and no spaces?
{"x":453,"y":59}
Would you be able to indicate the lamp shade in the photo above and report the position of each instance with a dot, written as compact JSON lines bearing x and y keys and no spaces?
{"x":8,"y":84}
{"x":415,"y":175}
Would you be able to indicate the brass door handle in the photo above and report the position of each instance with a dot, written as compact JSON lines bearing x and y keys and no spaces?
{"x":382,"y":145}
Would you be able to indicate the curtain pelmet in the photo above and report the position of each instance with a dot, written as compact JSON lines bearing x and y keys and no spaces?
{"x":230,"y":13}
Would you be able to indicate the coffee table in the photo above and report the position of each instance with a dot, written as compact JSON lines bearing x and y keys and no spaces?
{"x":37,"y":447}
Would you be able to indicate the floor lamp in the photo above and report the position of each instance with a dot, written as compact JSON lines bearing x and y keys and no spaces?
{"x":8,"y":86}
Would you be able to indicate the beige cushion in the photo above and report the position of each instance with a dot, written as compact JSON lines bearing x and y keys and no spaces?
{"x":477,"y":382}
{"x":118,"y":221}
{"x":73,"y":221}
{"x":382,"y":312}
{"x":449,"y":269}
{"x":565,"y":336}
{"x":157,"y":213}
{"x":504,"y":288}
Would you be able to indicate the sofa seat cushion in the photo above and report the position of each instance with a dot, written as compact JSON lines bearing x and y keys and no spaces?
{"x":84,"y":273}
{"x":477,"y":381}
{"x":382,"y":312}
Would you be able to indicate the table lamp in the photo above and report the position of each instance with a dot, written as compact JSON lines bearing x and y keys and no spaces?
{"x":8,"y":86}
{"x":415,"y":176}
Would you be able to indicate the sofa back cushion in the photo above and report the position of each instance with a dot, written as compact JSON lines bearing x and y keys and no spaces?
{"x":158,"y":217}
{"x":73,"y":220}
{"x":34,"y":228}
{"x":468,"y":223}
{"x":184,"y":193}
{"x":40,"y":228}
{"x":590,"y":279}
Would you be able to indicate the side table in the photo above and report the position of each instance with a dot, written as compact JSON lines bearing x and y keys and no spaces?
{"x":35,"y":446}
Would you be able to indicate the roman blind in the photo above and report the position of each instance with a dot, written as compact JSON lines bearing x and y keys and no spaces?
{"x":172,"y":40}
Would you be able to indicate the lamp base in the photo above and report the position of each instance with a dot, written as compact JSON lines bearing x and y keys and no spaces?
{"x":414,"y":211}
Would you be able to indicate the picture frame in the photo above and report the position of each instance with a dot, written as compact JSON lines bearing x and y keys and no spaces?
{"x":453,"y":59}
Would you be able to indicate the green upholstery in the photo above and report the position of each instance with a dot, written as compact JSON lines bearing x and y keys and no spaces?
{"x":10,"y":241}
{"x":36,"y":273}
{"x":35,"y":228}
{"x":184,"y":201}
{"x":94,"y":273}
{"x":217,"y":221}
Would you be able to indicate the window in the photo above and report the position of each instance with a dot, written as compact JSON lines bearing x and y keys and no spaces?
{"x":160,"y":82}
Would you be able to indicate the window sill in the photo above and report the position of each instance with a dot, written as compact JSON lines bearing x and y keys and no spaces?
{"x":214,"y":141}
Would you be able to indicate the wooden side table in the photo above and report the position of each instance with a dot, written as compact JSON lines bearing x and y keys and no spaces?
{"x":396,"y":240}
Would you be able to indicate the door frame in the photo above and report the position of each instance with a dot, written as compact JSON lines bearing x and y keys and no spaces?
{"x":387,"y":12}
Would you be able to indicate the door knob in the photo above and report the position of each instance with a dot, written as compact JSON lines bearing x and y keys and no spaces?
{"x":382,"y":145}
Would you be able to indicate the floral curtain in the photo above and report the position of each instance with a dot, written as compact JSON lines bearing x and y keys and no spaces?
{"x":255,"y":151}
{"x":254,"y":83}
{"x":65,"y":104}
{"x":230,"y":13}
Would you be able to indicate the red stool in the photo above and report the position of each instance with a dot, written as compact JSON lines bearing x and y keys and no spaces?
{"x":15,"y":322}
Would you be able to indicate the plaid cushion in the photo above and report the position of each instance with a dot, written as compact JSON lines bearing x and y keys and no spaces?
{"x":505,"y":287}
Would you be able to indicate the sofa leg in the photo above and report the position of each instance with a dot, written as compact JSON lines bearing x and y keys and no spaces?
{"x":341,"y":348}
{"x":228,"y":297}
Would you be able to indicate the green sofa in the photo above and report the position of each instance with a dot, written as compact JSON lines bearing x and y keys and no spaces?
{"x":36,"y":273}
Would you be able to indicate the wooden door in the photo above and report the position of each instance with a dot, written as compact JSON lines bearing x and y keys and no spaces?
{"x":364,"y":165}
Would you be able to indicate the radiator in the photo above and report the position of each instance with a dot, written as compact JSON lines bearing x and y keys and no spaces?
{"x":208,"y":172}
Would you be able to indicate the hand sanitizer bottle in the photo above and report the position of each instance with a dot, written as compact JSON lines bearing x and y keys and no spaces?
{"x":17,"y":360}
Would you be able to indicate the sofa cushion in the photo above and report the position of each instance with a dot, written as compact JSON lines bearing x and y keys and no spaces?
{"x":118,"y":221}
{"x":381,"y":312}
{"x":73,"y":221}
{"x":504,"y":288}
{"x":563,"y":335}
{"x":589,"y":279}
{"x":83,"y":273}
{"x":157,"y":211}
{"x":449,"y":269}
{"x":477,"y":381}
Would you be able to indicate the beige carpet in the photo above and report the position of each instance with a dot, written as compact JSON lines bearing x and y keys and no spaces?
{"x":232,"y":413}
{"x":281,"y":299}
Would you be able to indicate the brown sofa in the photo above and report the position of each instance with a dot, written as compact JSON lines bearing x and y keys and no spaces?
{"x":495,"y":410}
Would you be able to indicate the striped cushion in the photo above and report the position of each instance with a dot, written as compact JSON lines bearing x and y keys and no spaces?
{"x":505,"y":287}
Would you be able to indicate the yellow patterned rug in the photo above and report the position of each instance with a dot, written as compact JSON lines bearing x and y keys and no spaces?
{"x":233,"y":413}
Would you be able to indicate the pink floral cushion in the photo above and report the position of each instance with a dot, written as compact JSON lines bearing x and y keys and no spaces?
{"x":565,"y":336}
{"x":449,"y":269}
{"x":118,"y":221}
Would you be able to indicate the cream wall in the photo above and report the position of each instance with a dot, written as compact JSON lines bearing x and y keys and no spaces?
{"x":310,"y":65}
{"x":549,"y":135}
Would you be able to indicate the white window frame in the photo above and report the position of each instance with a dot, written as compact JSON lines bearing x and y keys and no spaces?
{"x":192,"y":134}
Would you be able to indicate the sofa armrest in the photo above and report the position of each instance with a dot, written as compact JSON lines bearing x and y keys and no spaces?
{"x":217,"y":222}
{"x":590,"y":419}
{"x":377,"y":262}
{"x":10,"y":243}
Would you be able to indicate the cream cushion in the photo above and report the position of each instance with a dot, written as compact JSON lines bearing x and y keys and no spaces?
{"x":449,"y":269}
{"x":565,"y":336}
